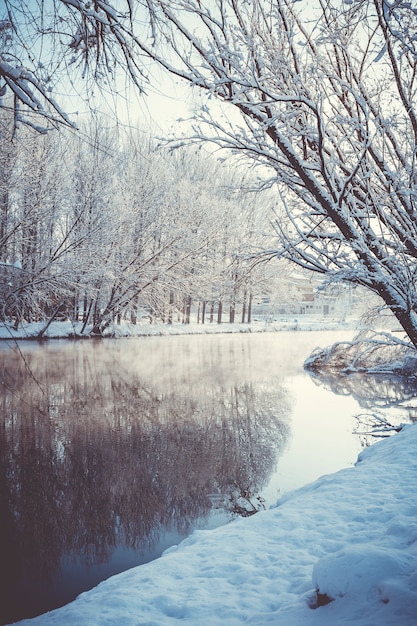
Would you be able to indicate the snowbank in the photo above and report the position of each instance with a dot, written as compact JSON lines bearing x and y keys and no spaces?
{"x":62,"y":330}
{"x":351,"y":535}
{"x":371,"y":352}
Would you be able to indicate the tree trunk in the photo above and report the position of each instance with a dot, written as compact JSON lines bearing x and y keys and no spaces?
{"x":187,"y":309}
{"x":407,"y":318}
{"x":244,"y":307}
{"x":171,"y":306}
{"x":48,"y":323}
{"x":219,"y":312}
{"x":86,"y":316}
{"x":408,"y":321}
{"x":232,"y":313}
{"x":250,"y":308}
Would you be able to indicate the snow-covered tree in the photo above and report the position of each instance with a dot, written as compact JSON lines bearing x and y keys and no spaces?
{"x":98,"y":227}
{"x":7,"y":161}
{"x":322,"y":97}
{"x":324,"y":100}
{"x":91,"y":217}
{"x":34,"y":278}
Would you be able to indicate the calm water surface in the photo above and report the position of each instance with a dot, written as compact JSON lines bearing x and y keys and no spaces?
{"x":112,"y":451}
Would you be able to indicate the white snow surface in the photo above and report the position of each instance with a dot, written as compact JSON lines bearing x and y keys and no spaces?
{"x":66,"y":329}
{"x":352,"y":535}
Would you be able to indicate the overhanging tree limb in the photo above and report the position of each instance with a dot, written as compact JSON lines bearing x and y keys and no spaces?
{"x":330,"y":120}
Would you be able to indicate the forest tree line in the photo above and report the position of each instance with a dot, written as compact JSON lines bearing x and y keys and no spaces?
{"x":321,"y":100}
{"x":97,"y":227}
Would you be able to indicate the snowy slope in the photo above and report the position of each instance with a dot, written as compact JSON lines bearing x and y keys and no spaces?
{"x":352,"y":535}
{"x":62,"y":330}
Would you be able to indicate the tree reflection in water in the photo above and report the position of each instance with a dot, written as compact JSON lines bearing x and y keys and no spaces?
{"x":101,"y":448}
{"x":385,"y":393}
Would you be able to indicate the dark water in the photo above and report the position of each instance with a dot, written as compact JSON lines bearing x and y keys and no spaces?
{"x":112,"y":451}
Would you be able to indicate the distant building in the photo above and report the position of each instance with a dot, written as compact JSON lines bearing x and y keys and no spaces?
{"x":304,"y":295}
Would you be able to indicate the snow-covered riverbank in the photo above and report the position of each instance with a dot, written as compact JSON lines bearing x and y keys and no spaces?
{"x":351,"y":535}
{"x":62,"y":330}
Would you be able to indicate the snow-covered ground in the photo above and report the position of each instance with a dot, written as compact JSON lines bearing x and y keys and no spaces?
{"x":351,"y":535}
{"x":58,"y":330}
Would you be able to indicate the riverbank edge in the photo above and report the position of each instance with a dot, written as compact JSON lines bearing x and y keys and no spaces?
{"x":37,"y":331}
{"x":348,"y":536}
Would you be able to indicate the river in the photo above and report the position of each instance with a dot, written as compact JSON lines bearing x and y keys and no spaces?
{"x":114,"y":450}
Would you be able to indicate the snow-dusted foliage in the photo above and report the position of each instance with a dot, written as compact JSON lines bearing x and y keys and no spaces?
{"x":96,"y":228}
{"x":326,"y":103}
{"x":45,"y":43}
{"x":371,"y":352}
{"x":321,"y":98}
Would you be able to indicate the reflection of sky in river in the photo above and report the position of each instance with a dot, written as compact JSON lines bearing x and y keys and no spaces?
{"x":321,"y":439}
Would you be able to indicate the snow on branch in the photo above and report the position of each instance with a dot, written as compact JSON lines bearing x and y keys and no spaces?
{"x":27,"y":89}
{"x":44,"y":43}
{"x":374,"y":425}
{"x":371,"y":352}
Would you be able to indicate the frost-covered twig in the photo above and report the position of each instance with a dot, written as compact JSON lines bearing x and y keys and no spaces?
{"x":377,"y":426}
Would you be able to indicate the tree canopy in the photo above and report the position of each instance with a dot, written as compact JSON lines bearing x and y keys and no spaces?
{"x":321,"y":96}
